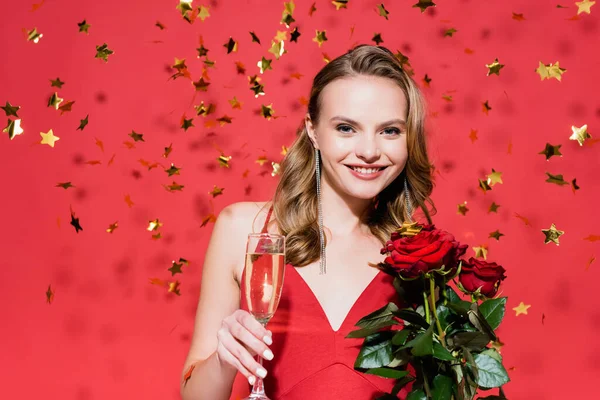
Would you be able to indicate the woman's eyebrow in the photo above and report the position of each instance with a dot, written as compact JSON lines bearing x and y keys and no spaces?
{"x":353,"y":122}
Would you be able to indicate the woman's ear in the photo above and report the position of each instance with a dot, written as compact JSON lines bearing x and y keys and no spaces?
{"x":312,"y":135}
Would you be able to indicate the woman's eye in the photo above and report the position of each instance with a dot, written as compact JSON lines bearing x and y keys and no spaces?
{"x":394,"y":130}
{"x":343,"y":126}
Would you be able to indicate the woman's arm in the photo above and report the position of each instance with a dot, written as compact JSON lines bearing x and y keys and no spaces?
{"x":219,"y":297}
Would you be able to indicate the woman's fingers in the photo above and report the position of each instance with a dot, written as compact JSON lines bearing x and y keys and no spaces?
{"x":225,"y":355}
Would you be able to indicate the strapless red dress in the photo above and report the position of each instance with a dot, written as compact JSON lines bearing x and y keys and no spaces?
{"x":312,"y":361}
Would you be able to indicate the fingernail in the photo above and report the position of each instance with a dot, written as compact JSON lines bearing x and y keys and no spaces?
{"x":268,"y":354}
{"x":267,"y":339}
{"x":251,"y":379}
{"x":261,"y":372}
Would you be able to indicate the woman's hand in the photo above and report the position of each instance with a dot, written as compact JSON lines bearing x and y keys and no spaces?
{"x":241,"y":337}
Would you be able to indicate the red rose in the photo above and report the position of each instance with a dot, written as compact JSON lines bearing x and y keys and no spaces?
{"x":476,"y":273}
{"x":411,"y":256}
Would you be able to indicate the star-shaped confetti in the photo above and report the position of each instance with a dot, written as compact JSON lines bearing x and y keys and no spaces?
{"x":424,"y":5}
{"x":75,"y":222}
{"x":494,"y":177}
{"x":137,"y":137}
{"x":64,"y":185}
{"x":550,"y":71}
{"x":83,"y":123}
{"x":584,"y":6}
{"x":172,"y":170}
{"x":103,"y":52}
{"x":217,"y":191}
{"x":33,"y":35}
{"x":462,"y":208}
{"x":174,"y":288}
{"x":54,"y":101}
{"x":13,"y":128}
{"x":494,"y":68}
{"x":48,"y":138}
{"x":552,"y":234}
{"x":83,"y":26}
{"x":551,"y":150}
{"x":521,"y":309}
{"x":580,"y":134}
{"x":56,"y":83}
{"x":154,"y":225}
{"x":49,"y":295}
{"x":111,"y":228}
{"x":10,"y":110}
{"x":320,"y":37}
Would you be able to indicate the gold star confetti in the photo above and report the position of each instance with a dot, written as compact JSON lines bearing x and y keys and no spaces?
{"x":174,"y":187}
{"x":176,"y":266}
{"x":64,"y":185}
{"x":496,"y":234}
{"x":550,"y":71}
{"x":551,"y":150}
{"x":481,"y":252}
{"x":484,"y":186}
{"x":158,"y":282}
{"x":49,"y":295}
{"x":473,"y":135}
{"x":486,"y":107}
{"x":580,"y":134}
{"x":231,"y":45}
{"x":521,"y":309}
{"x":207,"y":219}
{"x":112,"y":159}
{"x":36,"y":6}
{"x":217,"y":191}
{"x":382,"y":11}
{"x":54,"y":101}
{"x":13,"y":128}
{"x":556,"y":179}
{"x":592,"y":238}
{"x":235,"y":103}
{"x":320,"y":37}
{"x":203,"y":12}
{"x":186,"y":123}
{"x":66,"y":107}
{"x":552,"y":234}
{"x":10,"y":110}
{"x":494,"y":177}
{"x":424,"y":5}
{"x":111,"y":228}
{"x":128,"y":200}
{"x":56,"y":83}
{"x":154,"y":225}
{"x":48,"y":138}
{"x":584,"y":6}
{"x":493,"y":208}
{"x":276,"y":168}
{"x":261,"y":160}
{"x":277,"y":49}
{"x":224,"y":160}
{"x":284,"y":150}
{"x":517,"y":17}
{"x":103,"y":52}
{"x":377,"y":39}
{"x":82,"y":123}
{"x":137,"y":137}
{"x":187,"y":11}
{"x":201,"y":84}
{"x":75,"y":222}
{"x":494,"y":68}
{"x":462,"y":208}
{"x":168,"y":151}
{"x":172,"y":170}
{"x":449,"y":32}
{"x":83,"y":26}
{"x":174,"y":288}
{"x":33,"y":35}
{"x":264,"y":64}
{"x":340,"y":4}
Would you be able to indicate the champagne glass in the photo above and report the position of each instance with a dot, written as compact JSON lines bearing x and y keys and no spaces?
{"x":263,"y":281}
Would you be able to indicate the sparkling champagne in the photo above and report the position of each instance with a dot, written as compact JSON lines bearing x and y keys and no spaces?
{"x":263,"y":283}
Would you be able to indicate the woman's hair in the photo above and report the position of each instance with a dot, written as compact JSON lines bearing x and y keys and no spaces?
{"x":295,"y":199}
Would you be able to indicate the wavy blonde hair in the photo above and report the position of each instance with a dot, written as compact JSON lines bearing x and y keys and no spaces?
{"x":295,"y":200}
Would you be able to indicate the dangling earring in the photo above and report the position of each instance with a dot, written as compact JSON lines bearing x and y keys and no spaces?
{"x":407,"y":200}
{"x":320,"y":211}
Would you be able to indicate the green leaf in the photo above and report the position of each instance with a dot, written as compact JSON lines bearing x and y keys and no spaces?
{"x":385,"y":313}
{"x":491,"y":372}
{"x":416,"y":394}
{"x":442,"y":388}
{"x":387,"y":372}
{"x":387,"y":396}
{"x":400,"y":337}
{"x":475,"y":341}
{"x":478,"y":320}
{"x":411,"y":316}
{"x":460,"y":308}
{"x":452,"y":296}
{"x":441,"y":353}
{"x":376,"y":351}
{"x":493,"y":353}
{"x":444,"y":316}
{"x":364,"y":332}
{"x":422,"y":345}
{"x":493,"y":311}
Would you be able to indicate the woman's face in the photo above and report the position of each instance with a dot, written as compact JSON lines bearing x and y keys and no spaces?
{"x":362,"y":123}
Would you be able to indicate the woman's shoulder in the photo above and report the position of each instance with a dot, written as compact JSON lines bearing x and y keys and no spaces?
{"x":251,"y":214}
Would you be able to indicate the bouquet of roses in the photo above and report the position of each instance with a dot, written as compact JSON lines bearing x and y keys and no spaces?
{"x":446,"y":347}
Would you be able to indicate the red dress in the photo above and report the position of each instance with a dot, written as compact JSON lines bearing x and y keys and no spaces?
{"x":312,"y":361}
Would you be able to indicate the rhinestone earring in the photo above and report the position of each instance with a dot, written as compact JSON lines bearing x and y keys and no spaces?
{"x":323,"y":269}
{"x":407,"y":200}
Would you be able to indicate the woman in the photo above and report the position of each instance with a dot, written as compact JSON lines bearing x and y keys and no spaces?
{"x":355,"y":172}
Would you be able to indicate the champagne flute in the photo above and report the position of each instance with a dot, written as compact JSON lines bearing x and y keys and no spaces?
{"x":264,"y":271}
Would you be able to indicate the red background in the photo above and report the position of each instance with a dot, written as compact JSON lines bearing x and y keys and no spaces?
{"x":110,"y":334}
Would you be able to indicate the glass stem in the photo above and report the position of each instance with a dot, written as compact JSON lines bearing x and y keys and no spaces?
{"x":258,"y":387}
